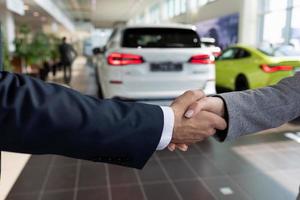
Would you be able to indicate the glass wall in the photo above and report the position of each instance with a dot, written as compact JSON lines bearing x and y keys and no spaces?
{"x":280,"y":22}
{"x":155,"y":14}
{"x":167,"y":9}
{"x":176,"y":7}
{"x":204,"y":2}
{"x":295,"y":26}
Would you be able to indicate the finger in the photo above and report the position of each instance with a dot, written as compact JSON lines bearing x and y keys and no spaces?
{"x":172,"y":147}
{"x":196,"y":107}
{"x":211,"y":104}
{"x":182,"y":147}
{"x":218,"y":122}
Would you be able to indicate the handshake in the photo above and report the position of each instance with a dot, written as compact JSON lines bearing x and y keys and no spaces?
{"x":197,"y":117}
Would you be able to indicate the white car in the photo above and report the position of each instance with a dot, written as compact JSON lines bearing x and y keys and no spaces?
{"x":154,"y":63}
{"x":210,"y":44}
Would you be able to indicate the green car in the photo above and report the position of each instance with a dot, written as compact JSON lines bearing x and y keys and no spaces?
{"x":243,"y":67}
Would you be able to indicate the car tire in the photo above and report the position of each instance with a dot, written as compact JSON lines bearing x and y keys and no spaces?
{"x":241,"y":83}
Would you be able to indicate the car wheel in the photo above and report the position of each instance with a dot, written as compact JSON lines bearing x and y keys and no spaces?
{"x":241,"y":83}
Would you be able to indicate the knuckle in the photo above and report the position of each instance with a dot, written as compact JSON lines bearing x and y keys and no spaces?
{"x":194,"y":94}
{"x":175,"y":100}
{"x":210,"y":132}
{"x":196,"y":104}
{"x":199,"y":93}
{"x":211,"y":118}
{"x":189,"y":93}
{"x":215,"y":120}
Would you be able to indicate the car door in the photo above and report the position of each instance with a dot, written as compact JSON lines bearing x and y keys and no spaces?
{"x":245,"y":65}
{"x":224,"y":65}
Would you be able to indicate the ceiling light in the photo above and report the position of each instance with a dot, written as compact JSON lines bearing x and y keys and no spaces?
{"x":36,"y":14}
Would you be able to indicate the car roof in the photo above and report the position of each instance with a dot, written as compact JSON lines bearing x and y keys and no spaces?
{"x":173,"y":25}
{"x":244,"y":46}
{"x":250,"y":48}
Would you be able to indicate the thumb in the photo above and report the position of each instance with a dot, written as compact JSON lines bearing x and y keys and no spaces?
{"x":210,"y":104}
{"x":196,"y":107}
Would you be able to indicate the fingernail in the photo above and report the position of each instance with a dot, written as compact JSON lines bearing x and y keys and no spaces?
{"x":171,"y":148}
{"x":189,"y":114}
{"x":184,"y":149}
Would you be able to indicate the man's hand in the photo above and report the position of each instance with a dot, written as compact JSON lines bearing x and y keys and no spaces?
{"x":202,"y":124}
{"x":210,"y":104}
{"x":207,"y":121}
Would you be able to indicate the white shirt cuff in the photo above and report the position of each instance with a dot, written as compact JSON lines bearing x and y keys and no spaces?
{"x":167,"y":132}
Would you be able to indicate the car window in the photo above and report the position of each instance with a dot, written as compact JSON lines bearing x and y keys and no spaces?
{"x":160,"y":38}
{"x":241,"y":53}
{"x":228,"y":54}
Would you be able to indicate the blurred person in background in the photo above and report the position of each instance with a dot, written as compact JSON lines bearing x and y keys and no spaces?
{"x":67,"y":56}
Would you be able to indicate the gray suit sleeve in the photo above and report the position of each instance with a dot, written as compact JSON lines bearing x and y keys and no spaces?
{"x":256,"y":110}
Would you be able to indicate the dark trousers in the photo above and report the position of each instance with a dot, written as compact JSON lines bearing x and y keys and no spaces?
{"x":67,"y":72}
{"x":44,"y":71}
{"x":54,"y":69}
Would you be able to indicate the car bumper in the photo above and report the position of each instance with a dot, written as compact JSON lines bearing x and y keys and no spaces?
{"x":208,"y":89}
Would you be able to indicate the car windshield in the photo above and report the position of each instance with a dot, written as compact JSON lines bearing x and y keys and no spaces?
{"x":285,"y":50}
{"x":160,"y":38}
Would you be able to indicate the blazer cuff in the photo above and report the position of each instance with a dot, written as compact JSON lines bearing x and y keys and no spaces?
{"x":222,"y":135}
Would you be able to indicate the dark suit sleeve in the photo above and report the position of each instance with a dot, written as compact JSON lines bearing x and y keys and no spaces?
{"x":41,"y":118}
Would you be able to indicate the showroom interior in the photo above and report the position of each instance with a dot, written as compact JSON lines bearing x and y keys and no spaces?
{"x":149,"y":52}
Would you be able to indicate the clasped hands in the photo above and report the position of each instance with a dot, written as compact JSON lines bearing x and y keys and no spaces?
{"x":197,"y":117}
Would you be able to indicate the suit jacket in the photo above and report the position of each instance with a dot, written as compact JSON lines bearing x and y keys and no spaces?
{"x":41,"y":118}
{"x":67,"y":53}
{"x":256,"y":110}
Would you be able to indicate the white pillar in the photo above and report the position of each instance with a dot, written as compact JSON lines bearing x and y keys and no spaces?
{"x":9,"y":29}
{"x":249,"y":22}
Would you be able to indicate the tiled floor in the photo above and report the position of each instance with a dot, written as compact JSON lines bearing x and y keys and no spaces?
{"x":263,"y":167}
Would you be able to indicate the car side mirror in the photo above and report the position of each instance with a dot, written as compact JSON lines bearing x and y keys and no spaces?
{"x":98,"y":50}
